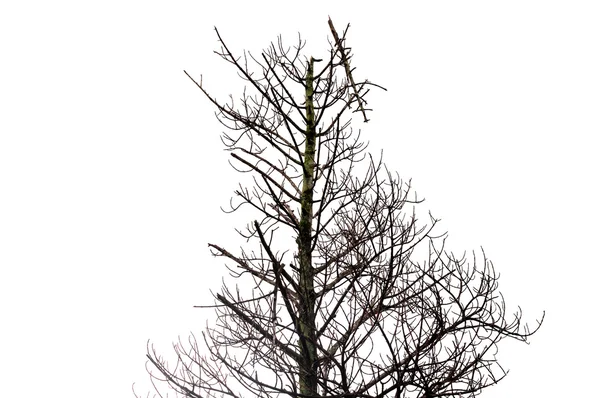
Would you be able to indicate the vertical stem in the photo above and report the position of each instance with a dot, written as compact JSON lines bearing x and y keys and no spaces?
{"x":308,"y":351}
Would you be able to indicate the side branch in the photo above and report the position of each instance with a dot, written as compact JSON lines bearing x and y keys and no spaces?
{"x":248,"y":320}
{"x":342,"y":51}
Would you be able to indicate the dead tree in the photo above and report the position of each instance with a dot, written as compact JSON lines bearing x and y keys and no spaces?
{"x":362,"y":299}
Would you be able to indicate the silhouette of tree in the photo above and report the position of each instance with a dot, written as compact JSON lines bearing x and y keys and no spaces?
{"x":354,"y":309}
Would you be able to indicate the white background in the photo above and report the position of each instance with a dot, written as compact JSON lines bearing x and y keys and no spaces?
{"x":112,"y":173}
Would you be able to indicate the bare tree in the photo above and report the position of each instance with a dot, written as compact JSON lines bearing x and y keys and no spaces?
{"x":348,"y":311}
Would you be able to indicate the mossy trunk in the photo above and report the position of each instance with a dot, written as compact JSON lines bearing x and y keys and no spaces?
{"x":308,"y":351}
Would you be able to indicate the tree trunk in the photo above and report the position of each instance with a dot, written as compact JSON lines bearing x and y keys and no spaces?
{"x":308,"y":351}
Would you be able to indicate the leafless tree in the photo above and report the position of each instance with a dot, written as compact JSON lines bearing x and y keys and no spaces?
{"x":364,"y":300}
